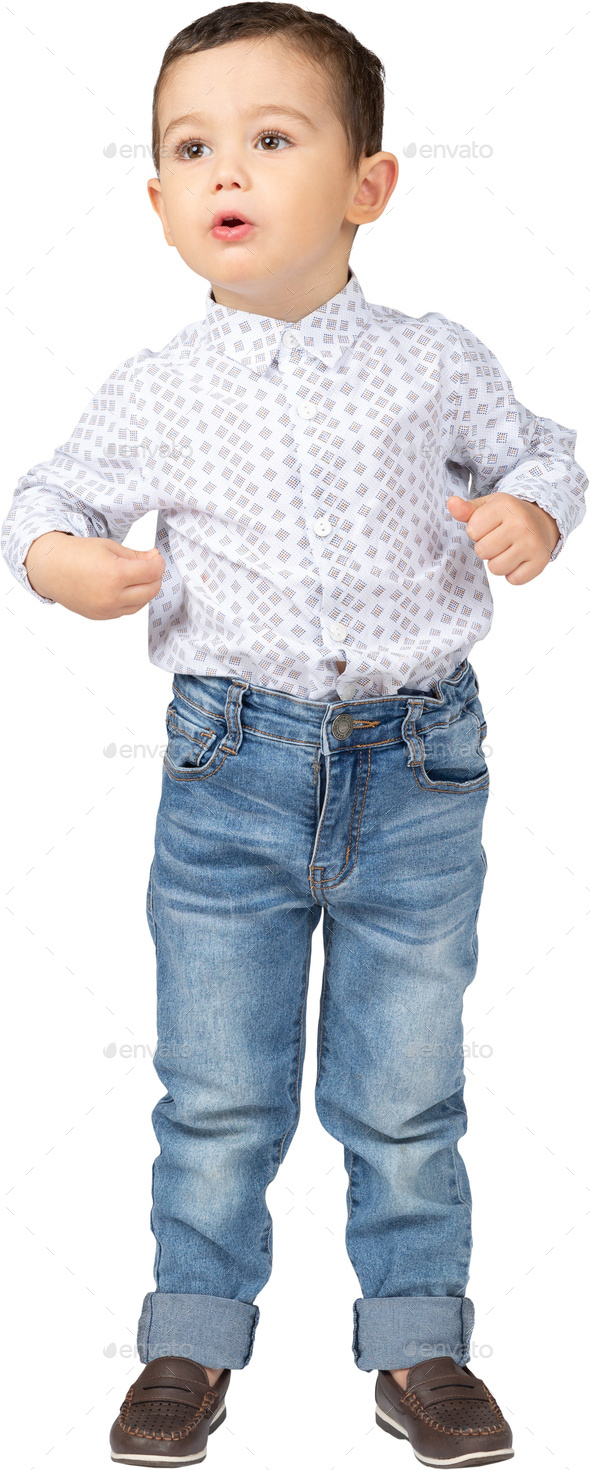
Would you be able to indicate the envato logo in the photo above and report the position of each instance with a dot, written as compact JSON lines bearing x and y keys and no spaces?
{"x":141,"y":1050}
{"x":446,"y":1350}
{"x":160,"y":1349}
{"x":135,"y":150}
{"x":183,"y":450}
{"x":471,"y":1049}
{"x":120,"y":1350}
{"x":147,"y":451}
{"x":137,"y":751}
{"x":438,"y":750}
{"x":411,"y":448}
{"x":445,"y":150}
{"x":127,"y":150}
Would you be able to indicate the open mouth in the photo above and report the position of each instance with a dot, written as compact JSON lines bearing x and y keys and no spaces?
{"x":231,"y":227}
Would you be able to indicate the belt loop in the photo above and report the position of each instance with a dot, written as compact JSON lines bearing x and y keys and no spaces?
{"x":409,"y":733}
{"x":233,"y":707}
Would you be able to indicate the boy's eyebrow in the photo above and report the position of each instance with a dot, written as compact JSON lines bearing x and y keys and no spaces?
{"x":281,"y":107}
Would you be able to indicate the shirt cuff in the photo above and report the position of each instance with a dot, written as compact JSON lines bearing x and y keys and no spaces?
{"x":75,"y":525}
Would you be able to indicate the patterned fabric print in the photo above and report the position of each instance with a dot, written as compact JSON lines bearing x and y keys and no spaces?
{"x":300,"y":473}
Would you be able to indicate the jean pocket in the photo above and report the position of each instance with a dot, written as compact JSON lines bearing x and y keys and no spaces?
{"x":195,"y":741}
{"x":450,"y":758}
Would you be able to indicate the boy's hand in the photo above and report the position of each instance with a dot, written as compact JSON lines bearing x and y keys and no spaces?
{"x":93,"y":575}
{"x":517,"y":535}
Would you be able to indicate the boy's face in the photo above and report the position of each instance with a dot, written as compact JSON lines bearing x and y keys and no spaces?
{"x":296,"y":189}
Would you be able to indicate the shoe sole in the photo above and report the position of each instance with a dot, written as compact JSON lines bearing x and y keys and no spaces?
{"x":217,"y":1419}
{"x":481,"y":1457}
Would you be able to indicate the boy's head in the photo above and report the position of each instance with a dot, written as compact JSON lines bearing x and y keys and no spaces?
{"x":274,"y":113}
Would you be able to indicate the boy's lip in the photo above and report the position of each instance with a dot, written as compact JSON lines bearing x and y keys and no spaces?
{"x":223,"y":214}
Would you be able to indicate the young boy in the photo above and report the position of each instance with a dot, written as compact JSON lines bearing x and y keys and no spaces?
{"x":317,"y":588}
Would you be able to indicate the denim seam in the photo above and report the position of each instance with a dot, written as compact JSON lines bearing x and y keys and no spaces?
{"x":455,"y":1151}
{"x":323,"y":1001}
{"x":314,"y":868}
{"x":274,"y":1171}
{"x":352,"y":1158}
{"x":301,"y":1020}
{"x":333,"y":882}
{"x":474,"y":948}
{"x":313,"y":744}
{"x":149,"y":1322}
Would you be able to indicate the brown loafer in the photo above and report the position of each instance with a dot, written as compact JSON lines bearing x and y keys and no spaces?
{"x":448,"y":1415}
{"x":168,"y":1414}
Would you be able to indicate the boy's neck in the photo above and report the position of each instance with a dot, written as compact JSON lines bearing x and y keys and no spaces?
{"x":297,"y":306}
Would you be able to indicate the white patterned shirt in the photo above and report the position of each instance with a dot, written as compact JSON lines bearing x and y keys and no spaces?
{"x":300,"y":473}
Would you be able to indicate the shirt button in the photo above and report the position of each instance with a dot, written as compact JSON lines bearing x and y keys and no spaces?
{"x":306,"y":410}
{"x":338,"y":631}
{"x":348,"y":691}
{"x":290,"y":339}
{"x":322,"y":526}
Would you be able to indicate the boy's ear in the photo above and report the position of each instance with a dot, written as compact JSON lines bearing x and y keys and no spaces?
{"x":154,"y":189}
{"x":377,"y":178}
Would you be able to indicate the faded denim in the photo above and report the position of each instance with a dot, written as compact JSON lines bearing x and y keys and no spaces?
{"x":275,"y":811}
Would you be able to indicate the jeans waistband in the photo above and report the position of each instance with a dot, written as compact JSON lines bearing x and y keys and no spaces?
{"x":375,"y":720}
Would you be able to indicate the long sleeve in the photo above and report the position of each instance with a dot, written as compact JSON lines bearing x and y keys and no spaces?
{"x":506,"y":446}
{"x":93,"y":486}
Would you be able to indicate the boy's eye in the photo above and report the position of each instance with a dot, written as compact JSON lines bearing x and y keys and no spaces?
{"x":189,"y":149}
{"x":270,"y":137}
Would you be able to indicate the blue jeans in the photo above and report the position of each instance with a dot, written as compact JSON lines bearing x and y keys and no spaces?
{"x":273,"y":811}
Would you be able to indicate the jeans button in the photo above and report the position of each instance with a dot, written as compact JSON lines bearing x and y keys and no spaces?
{"x":342,"y":726}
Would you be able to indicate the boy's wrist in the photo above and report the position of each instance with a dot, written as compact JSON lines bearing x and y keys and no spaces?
{"x":41,"y":561}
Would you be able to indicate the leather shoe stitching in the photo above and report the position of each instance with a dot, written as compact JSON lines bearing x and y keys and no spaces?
{"x":416,"y":1407}
{"x":208,"y":1402}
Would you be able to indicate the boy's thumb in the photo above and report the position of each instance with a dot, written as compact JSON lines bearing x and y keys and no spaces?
{"x":461,"y":509}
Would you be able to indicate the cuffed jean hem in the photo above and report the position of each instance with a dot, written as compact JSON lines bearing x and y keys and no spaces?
{"x":398,"y":1331}
{"x":216,"y":1331}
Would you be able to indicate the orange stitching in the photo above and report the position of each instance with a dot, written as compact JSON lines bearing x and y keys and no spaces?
{"x":208,"y":1401}
{"x":331,"y":882}
{"x":196,"y":739}
{"x":412,"y":1401}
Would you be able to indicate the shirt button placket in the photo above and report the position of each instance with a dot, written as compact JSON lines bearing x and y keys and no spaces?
{"x":321,"y":525}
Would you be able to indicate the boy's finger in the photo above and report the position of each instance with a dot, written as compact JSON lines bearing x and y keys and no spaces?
{"x":132,"y":554}
{"x":139,"y":586}
{"x":139,"y":570}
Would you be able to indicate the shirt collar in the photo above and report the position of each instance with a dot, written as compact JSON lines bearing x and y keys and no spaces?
{"x":255,"y":340}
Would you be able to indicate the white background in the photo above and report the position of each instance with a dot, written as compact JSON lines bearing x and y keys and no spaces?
{"x":499,"y":243}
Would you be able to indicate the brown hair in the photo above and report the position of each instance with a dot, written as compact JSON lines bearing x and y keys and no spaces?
{"x":355,"y":74}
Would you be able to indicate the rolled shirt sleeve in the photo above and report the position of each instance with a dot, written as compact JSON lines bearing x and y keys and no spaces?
{"x":93,"y":485}
{"x":505,"y":445}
